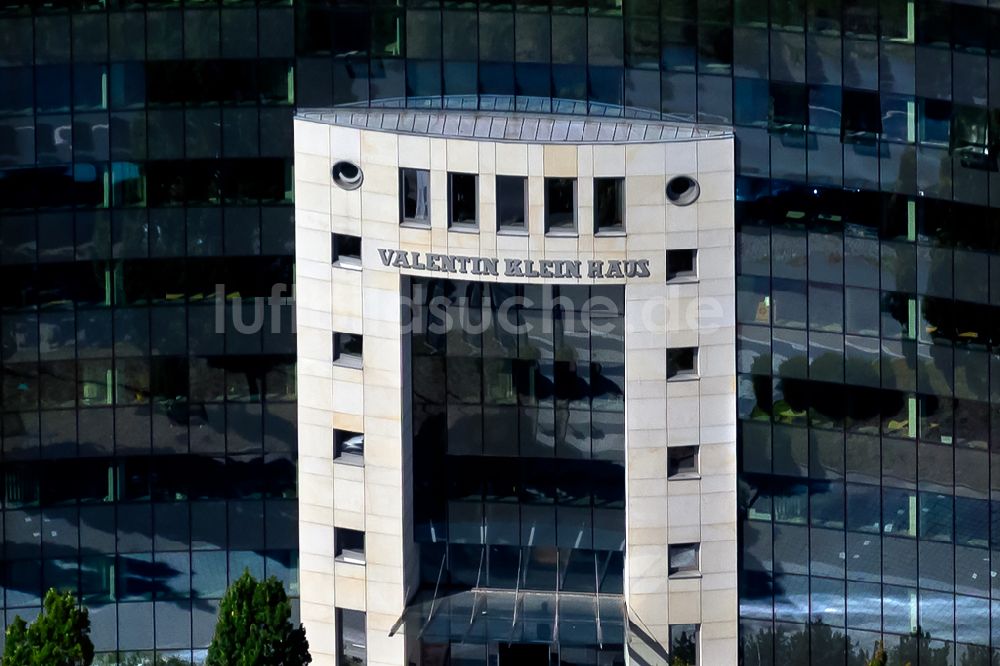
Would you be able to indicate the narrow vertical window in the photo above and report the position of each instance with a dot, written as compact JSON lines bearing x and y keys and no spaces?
{"x":609,"y":205}
{"x":789,"y":110}
{"x":512,"y":203}
{"x":415,"y":202}
{"x":352,"y":641}
{"x":974,"y":136}
{"x":684,"y":644}
{"x":463,"y":200}
{"x":861,"y":116}
{"x":560,"y":204}
{"x":934,"y":122}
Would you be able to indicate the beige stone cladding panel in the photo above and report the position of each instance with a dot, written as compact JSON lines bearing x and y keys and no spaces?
{"x":699,"y":411}
{"x":381,"y":389}
{"x":315,"y":386}
{"x":334,"y":494}
{"x":345,"y":205}
{"x":646,"y":460}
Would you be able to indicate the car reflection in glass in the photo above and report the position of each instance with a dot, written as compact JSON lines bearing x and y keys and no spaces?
{"x":355,"y":445}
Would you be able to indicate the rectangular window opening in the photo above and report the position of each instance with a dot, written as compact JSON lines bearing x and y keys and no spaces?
{"x":463,"y":200}
{"x":415,"y":196}
{"x":682,"y":363}
{"x":609,"y":205}
{"x":684,"y":644}
{"x":512,"y":203}
{"x":349,"y":545}
{"x":352,"y":642}
{"x":861,"y":116}
{"x":934,"y":118}
{"x":560,"y":205}
{"x":683,"y":558}
{"x":789,"y":110}
{"x":974,"y":132}
{"x":347,"y":349}
{"x":682,"y":461}
{"x":346,"y":250}
{"x":682,"y":264}
{"x":348,"y":446}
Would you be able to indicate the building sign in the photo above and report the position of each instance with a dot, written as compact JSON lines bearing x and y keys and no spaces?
{"x":516,"y":268}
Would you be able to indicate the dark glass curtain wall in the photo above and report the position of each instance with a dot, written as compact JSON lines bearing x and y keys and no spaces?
{"x":519,"y":445}
{"x":148,"y":450}
{"x":145,"y":156}
{"x":868,"y":254}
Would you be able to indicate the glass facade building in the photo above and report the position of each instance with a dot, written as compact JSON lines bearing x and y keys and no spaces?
{"x":868,"y":272}
{"x":145,"y":157}
{"x":148,"y":434}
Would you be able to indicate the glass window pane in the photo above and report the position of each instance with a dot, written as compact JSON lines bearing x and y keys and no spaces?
{"x":463,"y":199}
{"x":511,"y":195}
{"x":415,"y":204}
{"x":560,"y":204}
{"x":609,"y":205}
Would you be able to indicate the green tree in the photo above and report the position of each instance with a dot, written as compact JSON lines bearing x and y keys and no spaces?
{"x":255,"y":628}
{"x":683,"y":650}
{"x":879,"y":657}
{"x":793,"y":644}
{"x":59,"y":637}
{"x":919,"y":646}
{"x":978,"y":655}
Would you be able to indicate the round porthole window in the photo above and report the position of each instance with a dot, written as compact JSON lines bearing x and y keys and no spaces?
{"x":683,"y":190}
{"x":347,"y":175}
